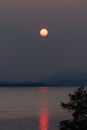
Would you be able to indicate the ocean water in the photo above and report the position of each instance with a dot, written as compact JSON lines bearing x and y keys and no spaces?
{"x":33,"y":108}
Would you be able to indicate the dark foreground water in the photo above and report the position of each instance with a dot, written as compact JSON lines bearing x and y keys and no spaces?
{"x":33,"y":108}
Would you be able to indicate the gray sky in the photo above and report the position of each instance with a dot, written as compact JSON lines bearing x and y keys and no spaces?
{"x":25,"y":55}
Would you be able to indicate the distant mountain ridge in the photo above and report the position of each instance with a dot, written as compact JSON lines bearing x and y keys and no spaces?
{"x":20,"y":84}
{"x":67,"y":79}
{"x":60,"y":79}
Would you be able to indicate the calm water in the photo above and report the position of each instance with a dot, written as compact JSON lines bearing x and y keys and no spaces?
{"x":32,"y":108}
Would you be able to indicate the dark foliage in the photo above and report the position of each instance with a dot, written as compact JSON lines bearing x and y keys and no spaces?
{"x":78,"y":106}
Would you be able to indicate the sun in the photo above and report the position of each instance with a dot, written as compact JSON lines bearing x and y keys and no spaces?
{"x":43,"y":32}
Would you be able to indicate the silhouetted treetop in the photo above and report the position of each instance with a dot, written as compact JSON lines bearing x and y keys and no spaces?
{"x":78,"y":106}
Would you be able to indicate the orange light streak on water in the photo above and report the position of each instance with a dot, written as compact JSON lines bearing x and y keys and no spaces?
{"x":44,"y":119}
{"x":43,"y":89}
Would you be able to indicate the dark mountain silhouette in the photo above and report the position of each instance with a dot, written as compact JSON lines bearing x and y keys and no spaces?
{"x":64,"y":78}
{"x":20,"y":84}
{"x":67,"y":79}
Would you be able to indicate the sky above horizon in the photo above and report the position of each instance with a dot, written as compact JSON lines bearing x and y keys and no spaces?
{"x":25,"y":55}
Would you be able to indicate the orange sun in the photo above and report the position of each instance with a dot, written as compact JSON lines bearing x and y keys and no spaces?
{"x":43,"y":32}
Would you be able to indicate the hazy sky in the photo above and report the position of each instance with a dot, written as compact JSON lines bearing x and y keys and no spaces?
{"x":25,"y":55}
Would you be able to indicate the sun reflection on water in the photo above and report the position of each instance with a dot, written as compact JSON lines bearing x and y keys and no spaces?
{"x":44,"y":119}
{"x":43,"y":109}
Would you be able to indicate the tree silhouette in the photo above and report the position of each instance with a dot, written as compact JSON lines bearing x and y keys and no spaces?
{"x":77,"y":105}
